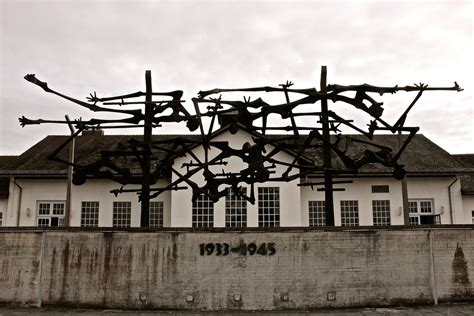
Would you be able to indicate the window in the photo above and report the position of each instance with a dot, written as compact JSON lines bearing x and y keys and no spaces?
{"x":122,"y":212}
{"x":156,"y":214}
{"x":235,"y":209}
{"x":381,"y":212}
{"x":349,"y":213}
{"x":51,"y":213}
{"x":1,"y":219}
{"x":472,"y":213}
{"x":89,"y":214}
{"x":418,"y":208}
{"x":317,"y":213}
{"x":269,"y":207}
{"x":380,"y":189}
{"x":203,"y":212}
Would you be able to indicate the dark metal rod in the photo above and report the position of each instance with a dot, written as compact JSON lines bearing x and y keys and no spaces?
{"x":67,"y":213}
{"x":147,"y":139}
{"x":328,"y":185}
{"x":332,"y":190}
{"x":141,"y":102}
{"x":306,"y":184}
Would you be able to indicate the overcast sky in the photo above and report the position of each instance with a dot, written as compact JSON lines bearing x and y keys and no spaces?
{"x":83,"y":46}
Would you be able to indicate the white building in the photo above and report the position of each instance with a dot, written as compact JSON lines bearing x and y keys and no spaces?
{"x":33,"y":191}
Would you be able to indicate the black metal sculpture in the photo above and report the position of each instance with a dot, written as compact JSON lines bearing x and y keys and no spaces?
{"x":260,"y":158}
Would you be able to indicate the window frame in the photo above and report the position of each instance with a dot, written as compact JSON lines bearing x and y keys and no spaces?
{"x":380,"y":188}
{"x":235,"y":209}
{"x":347,"y":221}
{"x":378,"y":217}
{"x":317,"y":213}
{"x":268,"y":207}
{"x":92,"y":218}
{"x":415,"y":216}
{"x":157,"y":208}
{"x":47,"y":219}
{"x":116,"y":220}
{"x":202,"y":212}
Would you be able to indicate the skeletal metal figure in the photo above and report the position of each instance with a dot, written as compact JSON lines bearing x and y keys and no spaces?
{"x":260,"y":158}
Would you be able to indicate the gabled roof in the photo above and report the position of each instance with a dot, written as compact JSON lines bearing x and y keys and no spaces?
{"x":88,"y":149}
{"x":8,"y":162}
{"x":467,"y":178}
{"x":421,"y":157}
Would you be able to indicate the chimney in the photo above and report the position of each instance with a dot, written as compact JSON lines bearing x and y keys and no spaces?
{"x":227,"y":118}
{"x":93,"y":132}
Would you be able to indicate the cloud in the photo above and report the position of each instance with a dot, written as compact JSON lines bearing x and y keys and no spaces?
{"x":85,"y":46}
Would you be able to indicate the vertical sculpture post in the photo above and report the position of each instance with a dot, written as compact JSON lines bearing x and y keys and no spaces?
{"x":406,"y":207}
{"x":145,"y":194}
{"x":328,"y":184}
{"x":67,"y":213}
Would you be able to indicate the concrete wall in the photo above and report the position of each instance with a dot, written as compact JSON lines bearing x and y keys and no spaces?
{"x":308,"y":269}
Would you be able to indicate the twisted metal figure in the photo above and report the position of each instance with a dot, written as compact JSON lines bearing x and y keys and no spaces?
{"x":259,"y":157}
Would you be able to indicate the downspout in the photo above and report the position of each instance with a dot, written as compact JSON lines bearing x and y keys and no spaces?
{"x":12,"y":179}
{"x":451,"y":200}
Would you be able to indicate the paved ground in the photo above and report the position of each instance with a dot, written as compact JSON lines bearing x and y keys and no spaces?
{"x":442,"y":309}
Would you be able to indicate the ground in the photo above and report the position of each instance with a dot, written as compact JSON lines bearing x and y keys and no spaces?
{"x":460,"y":309}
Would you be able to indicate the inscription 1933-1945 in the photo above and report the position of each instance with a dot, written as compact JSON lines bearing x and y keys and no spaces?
{"x":223,"y":249}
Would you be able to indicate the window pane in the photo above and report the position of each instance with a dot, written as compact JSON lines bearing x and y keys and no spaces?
{"x":425,"y":206}
{"x":43,"y":208}
{"x":414,"y":220}
{"x":380,"y":189}
{"x":43,"y":222}
{"x":58,"y":208}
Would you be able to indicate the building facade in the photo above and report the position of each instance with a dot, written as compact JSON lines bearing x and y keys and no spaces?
{"x":33,"y":192}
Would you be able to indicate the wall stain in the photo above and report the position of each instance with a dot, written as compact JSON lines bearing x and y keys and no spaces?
{"x":65,"y":263}
{"x":108,"y":236}
{"x":129,"y":260}
{"x":52,"y":284}
{"x":461,"y":285}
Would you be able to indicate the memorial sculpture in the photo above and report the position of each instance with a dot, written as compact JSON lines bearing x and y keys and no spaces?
{"x":155,"y":157}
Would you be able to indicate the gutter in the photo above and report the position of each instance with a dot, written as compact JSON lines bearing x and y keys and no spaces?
{"x":12,"y":179}
{"x":451,"y":199}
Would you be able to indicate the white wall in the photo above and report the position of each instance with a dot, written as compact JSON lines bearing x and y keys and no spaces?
{"x":361,"y":190}
{"x":289,"y":191}
{"x":468,"y":204}
{"x":3,"y":210}
{"x":35,"y":190}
